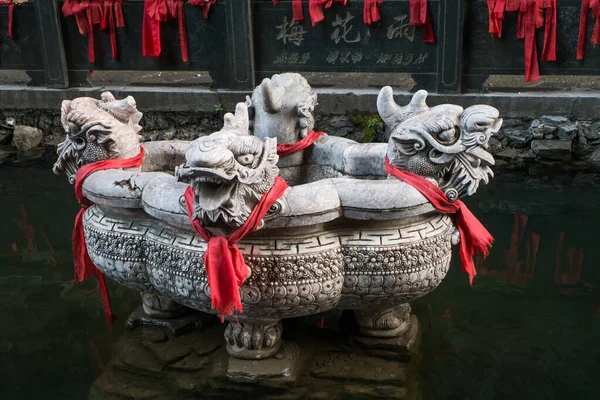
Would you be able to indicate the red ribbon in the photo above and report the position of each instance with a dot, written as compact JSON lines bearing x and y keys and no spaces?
{"x":206,"y":4}
{"x":284,"y":150}
{"x":328,"y":3}
{"x":549,"y":48}
{"x":474,"y":238}
{"x":11,"y":8}
{"x":84,"y":267}
{"x":371,"y":11}
{"x":420,"y":16}
{"x":298,"y":13}
{"x":528,"y":23}
{"x":594,"y":5}
{"x":77,"y":9}
{"x":316,"y":11}
{"x":112,"y":19}
{"x":225,"y":266}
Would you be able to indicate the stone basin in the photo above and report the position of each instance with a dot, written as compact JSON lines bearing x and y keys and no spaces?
{"x":344,"y":235}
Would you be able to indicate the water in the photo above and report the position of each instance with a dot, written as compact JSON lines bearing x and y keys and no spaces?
{"x":526,"y":329}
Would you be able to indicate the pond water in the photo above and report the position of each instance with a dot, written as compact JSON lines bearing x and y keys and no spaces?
{"x":526,"y":329}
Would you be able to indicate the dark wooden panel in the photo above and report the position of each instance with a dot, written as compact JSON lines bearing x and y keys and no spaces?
{"x":486,"y":55}
{"x":206,"y":42}
{"x":22,"y":53}
{"x":342,"y":42}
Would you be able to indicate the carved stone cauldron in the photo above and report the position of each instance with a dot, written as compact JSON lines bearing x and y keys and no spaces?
{"x":344,"y":235}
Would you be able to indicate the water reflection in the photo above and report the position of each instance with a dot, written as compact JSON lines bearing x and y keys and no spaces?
{"x":526,"y":329}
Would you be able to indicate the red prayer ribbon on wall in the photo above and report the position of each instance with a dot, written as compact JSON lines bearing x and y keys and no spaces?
{"x":586,"y":5}
{"x":420,"y":16}
{"x":84,"y":267}
{"x":225,"y":266}
{"x":474,"y":238}
{"x":371,"y":11}
{"x":11,"y":9}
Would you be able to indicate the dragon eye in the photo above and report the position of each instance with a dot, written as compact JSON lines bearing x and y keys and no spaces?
{"x":246,"y":159}
{"x":448,"y":135}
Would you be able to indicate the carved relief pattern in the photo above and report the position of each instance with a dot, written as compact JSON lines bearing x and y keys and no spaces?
{"x":315,"y":274}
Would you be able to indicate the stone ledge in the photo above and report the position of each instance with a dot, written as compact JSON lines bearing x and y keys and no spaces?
{"x":576,"y":104}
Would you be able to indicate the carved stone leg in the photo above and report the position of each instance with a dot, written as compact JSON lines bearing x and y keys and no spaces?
{"x":383,"y":322}
{"x":158,"y":310}
{"x":253,"y":339}
{"x":157,"y":306}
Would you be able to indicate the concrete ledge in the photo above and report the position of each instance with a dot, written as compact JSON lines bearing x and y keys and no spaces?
{"x":576,"y":104}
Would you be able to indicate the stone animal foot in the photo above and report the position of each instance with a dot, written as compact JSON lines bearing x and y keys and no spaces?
{"x":253,"y":339}
{"x":383,"y":322}
{"x":157,"y":306}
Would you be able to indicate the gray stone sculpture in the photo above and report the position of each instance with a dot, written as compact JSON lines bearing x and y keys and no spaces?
{"x":342,"y":236}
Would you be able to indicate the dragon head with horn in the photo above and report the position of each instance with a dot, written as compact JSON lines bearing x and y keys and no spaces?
{"x":445,"y":143}
{"x":97,"y":130}
{"x":229,"y":170}
{"x":282,"y":107}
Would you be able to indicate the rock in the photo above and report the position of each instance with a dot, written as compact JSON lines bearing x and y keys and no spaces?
{"x":519,"y":138}
{"x":591,"y":132}
{"x":548,"y":129}
{"x":581,"y":148}
{"x":26,"y":137}
{"x":536,"y":129}
{"x":552,"y":149}
{"x":567,"y":132}
{"x":594,"y":158}
{"x":554,"y":120}
{"x":495,"y":145}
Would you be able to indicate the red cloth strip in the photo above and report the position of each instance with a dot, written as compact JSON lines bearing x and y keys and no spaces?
{"x":109,"y":22}
{"x":154,"y":10}
{"x":284,"y":150}
{"x":206,"y":4}
{"x":583,"y":23}
{"x":328,"y":3}
{"x":298,"y":13}
{"x":512,"y":5}
{"x":84,"y":267}
{"x":474,"y":238}
{"x":315,"y":10}
{"x":11,"y":9}
{"x":224,"y":263}
{"x":371,"y":11}
{"x":549,"y":48}
{"x":420,"y":16}
{"x":528,"y":11}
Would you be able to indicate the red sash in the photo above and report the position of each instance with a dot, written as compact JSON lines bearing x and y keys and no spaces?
{"x":420,"y":16}
{"x":224,"y":263}
{"x":474,"y":238}
{"x":371,"y":11}
{"x":284,"y":150}
{"x":84,"y":267}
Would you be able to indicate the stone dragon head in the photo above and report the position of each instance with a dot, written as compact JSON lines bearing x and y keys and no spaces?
{"x":97,"y":130}
{"x":445,"y":143}
{"x":282,"y":107}
{"x":229,"y":171}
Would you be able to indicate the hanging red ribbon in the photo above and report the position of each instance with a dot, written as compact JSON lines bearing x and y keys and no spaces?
{"x":297,"y":12}
{"x":586,"y":5}
{"x":371,"y":11}
{"x":84,"y":267}
{"x":421,"y":16}
{"x":328,"y":3}
{"x":315,"y":10}
{"x":284,"y":150}
{"x":112,"y":18}
{"x":77,"y":9}
{"x":528,"y":21}
{"x":224,"y":263}
{"x":549,"y":48}
{"x":206,"y":4}
{"x":474,"y":238}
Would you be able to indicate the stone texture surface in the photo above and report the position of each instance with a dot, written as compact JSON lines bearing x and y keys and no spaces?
{"x":315,"y":363}
{"x":552,"y":149}
{"x":26,"y":138}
